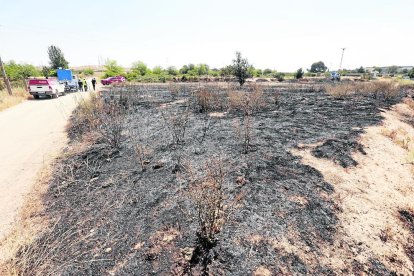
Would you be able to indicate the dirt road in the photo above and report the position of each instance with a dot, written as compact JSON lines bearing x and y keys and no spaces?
{"x":30,"y":135}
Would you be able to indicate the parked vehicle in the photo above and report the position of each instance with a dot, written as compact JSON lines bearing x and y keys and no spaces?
{"x":111,"y":80}
{"x":70,"y":81}
{"x":46,"y":87}
{"x":335,"y":76}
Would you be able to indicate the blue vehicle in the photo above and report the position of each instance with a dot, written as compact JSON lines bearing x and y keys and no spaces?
{"x":335,"y":76}
{"x":65,"y":76}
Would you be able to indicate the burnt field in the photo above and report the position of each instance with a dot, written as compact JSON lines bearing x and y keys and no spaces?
{"x":200,"y":179}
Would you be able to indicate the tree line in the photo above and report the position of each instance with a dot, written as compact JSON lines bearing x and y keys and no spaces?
{"x":240,"y":68}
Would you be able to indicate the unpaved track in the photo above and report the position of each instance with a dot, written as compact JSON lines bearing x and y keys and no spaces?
{"x":31,"y":134}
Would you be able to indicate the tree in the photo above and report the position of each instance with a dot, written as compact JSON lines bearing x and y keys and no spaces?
{"x":45,"y":71}
{"x":252,"y":71}
{"x":157,"y":70}
{"x":226,"y":71}
{"x":318,"y":67}
{"x":240,"y":68}
{"x":20,"y":71}
{"x":113,"y":69}
{"x":267,"y":71}
{"x":214,"y":72}
{"x":299,"y":74}
{"x":172,"y":71}
{"x":378,"y":69}
{"x":411,"y":74}
{"x":56,"y":57}
{"x":202,"y":69}
{"x":361,"y":70}
{"x":139,"y":68}
{"x":279,"y":76}
{"x":393,"y":69}
{"x":88,"y":72}
{"x":184,"y":70}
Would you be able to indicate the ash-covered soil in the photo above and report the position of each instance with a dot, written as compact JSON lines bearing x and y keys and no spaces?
{"x":109,"y":216}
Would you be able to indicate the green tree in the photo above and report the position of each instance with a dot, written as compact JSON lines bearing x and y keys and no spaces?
{"x":227,"y":71}
{"x":267,"y":72}
{"x":157,"y":70}
{"x":45,"y":71}
{"x":279,"y":76}
{"x":202,"y":69}
{"x":172,"y":71}
{"x":240,"y":68}
{"x":113,"y":69}
{"x":184,"y":70}
{"x":20,"y":71}
{"x":378,"y":69}
{"x":139,"y":68}
{"x":361,"y":70}
{"x":393,"y":69}
{"x":411,"y":73}
{"x":88,"y":72}
{"x":299,"y":74}
{"x":251,"y":71}
{"x":191,"y":67}
{"x":214,"y":72}
{"x":318,"y":67}
{"x":56,"y":58}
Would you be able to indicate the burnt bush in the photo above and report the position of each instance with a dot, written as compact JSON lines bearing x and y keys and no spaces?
{"x":111,"y":123}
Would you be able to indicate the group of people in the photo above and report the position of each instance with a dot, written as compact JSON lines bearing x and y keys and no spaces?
{"x":83,"y":85}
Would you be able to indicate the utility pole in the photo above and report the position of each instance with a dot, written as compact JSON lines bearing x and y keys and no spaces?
{"x":342,"y":58}
{"x":6,"y":79}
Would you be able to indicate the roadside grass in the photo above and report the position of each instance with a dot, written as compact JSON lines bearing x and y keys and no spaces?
{"x":410,"y":103}
{"x":14,"y":259}
{"x":6,"y":101}
{"x":385,"y":89}
{"x":23,"y":251}
{"x":86,"y":115}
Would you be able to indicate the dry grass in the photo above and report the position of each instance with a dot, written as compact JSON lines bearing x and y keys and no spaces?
{"x":340,"y":90}
{"x":176,"y":122}
{"x":105,"y":118}
{"x":247,"y":102}
{"x":88,"y":110}
{"x":24,"y":251}
{"x":400,"y":137}
{"x":111,"y":123}
{"x":19,"y":95}
{"x":380,"y":89}
{"x":410,"y":103}
{"x":13,"y":259}
{"x":207,"y":100}
{"x":208,"y":195}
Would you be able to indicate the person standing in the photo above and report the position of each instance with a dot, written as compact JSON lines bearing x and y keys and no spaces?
{"x":85,"y":85}
{"x":93,"y":83}
{"x":80,"y":85}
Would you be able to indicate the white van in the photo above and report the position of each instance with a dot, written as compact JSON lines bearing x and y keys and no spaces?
{"x":46,"y":87}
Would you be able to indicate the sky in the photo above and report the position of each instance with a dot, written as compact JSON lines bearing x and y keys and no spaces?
{"x":280,"y":35}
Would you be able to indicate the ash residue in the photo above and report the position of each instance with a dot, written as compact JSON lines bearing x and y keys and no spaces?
{"x":115,"y":214}
{"x":339,"y":151}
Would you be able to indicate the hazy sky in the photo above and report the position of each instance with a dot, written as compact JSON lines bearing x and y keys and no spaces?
{"x":282,"y":35}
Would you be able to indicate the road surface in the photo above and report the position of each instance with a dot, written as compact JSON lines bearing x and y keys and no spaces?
{"x":31,"y":134}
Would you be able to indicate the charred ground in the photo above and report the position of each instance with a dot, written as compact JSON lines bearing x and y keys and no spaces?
{"x":117,"y":211}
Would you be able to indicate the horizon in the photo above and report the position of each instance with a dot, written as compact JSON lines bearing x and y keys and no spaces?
{"x":275,"y":35}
